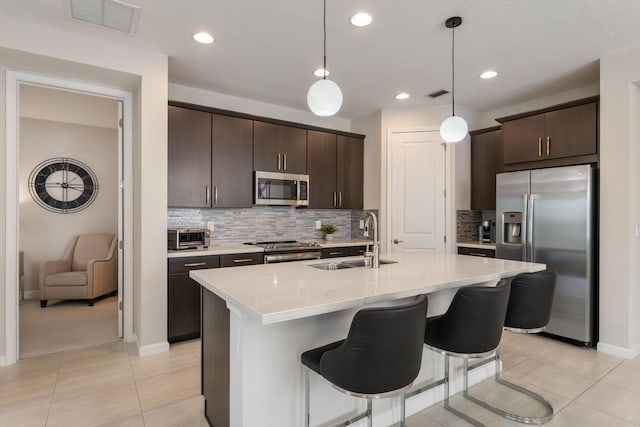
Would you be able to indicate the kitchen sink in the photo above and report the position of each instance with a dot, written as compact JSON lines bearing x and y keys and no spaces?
{"x":366,"y":262}
{"x":331,"y":266}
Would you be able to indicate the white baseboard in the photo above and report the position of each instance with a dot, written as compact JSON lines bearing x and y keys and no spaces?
{"x":614,"y":350}
{"x":147,"y":350}
{"x":32,"y":294}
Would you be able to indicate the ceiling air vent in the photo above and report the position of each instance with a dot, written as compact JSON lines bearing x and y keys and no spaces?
{"x":110,"y":14}
{"x":438,"y":93}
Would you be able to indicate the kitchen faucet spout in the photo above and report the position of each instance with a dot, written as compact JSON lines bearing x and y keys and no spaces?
{"x":374,"y":254}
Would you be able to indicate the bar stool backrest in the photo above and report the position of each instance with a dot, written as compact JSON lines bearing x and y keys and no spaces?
{"x":531,"y":300}
{"x":473,"y":322}
{"x":382,"y":352}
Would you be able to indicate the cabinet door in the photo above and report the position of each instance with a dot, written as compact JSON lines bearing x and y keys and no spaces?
{"x":279,"y":148}
{"x":321,"y":167}
{"x":183,"y":314}
{"x":523,"y":139}
{"x":189,"y":150}
{"x":486,"y":162}
{"x":232,"y":159}
{"x":571,"y":132}
{"x":350,"y":179}
{"x":236,"y":260}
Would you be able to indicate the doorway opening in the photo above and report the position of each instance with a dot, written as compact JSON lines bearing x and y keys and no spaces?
{"x":33,"y":235}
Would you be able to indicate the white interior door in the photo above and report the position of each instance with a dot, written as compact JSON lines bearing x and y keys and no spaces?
{"x":416,"y":192}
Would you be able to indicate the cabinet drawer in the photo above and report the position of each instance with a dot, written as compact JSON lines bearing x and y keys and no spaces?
{"x":335,"y":252}
{"x":234,"y":260}
{"x":185,"y":264}
{"x":489,"y":253}
{"x":358,"y":250}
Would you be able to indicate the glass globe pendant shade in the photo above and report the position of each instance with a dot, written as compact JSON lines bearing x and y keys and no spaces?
{"x":454,"y":129}
{"x":324,"y":98}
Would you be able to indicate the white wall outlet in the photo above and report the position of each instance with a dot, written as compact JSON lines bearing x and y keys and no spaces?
{"x":210,"y":225}
{"x":318,"y":225}
{"x":361,"y":224}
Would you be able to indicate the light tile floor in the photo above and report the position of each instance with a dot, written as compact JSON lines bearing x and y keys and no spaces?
{"x":109,"y":385}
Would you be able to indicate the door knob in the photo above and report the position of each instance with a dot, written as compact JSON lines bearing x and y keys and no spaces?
{"x":396,"y":241}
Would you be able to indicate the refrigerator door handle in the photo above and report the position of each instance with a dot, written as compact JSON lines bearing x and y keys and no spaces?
{"x":524,"y":227}
{"x":530,"y":225}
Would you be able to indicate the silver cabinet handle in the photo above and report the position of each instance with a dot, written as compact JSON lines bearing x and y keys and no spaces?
{"x":336,"y":253}
{"x":215,"y":195}
{"x":284,"y":161}
{"x":477,"y":254}
{"x":195,"y":264}
{"x":340,"y":203}
{"x":334,"y":199}
{"x":207,"y":195}
{"x":278,"y":161}
{"x":239,"y":260}
{"x":396,"y":241}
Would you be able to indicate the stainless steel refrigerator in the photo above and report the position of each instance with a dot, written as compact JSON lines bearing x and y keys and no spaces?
{"x":548,"y":216}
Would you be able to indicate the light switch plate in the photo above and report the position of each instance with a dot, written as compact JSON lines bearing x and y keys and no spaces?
{"x":361,"y":224}
{"x":318,"y":225}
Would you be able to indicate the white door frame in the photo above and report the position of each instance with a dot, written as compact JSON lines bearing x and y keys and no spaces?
{"x":449,"y":220}
{"x":13,"y":81}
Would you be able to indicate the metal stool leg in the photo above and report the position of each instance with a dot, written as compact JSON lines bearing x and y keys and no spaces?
{"x":305,"y":377}
{"x":508,"y":415}
{"x":448,"y":407}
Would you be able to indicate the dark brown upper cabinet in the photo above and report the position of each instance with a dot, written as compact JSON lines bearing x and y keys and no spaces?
{"x":232,"y":162}
{"x":486,"y":162}
{"x":335,"y":168}
{"x":279,"y":148}
{"x":210,"y":160}
{"x":189,"y":151}
{"x":552,"y":134}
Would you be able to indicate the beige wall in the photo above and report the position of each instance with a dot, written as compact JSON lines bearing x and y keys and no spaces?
{"x":620,"y":203}
{"x":47,"y":51}
{"x":44,"y":235}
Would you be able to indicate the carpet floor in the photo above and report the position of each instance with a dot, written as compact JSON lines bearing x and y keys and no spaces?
{"x":66,"y":325}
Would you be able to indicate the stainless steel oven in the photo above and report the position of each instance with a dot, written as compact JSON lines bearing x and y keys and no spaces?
{"x":274,"y":188}
{"x":288,"y":250}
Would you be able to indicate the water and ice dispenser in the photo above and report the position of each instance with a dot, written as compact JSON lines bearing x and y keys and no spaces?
{"x":512,"y":227}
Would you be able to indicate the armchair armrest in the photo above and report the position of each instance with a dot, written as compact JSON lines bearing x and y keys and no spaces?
{"x":102,"y":273}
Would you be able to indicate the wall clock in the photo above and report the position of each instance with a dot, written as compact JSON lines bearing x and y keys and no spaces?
{"x":63,"y":185}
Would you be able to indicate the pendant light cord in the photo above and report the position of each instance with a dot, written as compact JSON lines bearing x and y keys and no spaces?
{"x":324,"y":30}
{"x":453,"y":71}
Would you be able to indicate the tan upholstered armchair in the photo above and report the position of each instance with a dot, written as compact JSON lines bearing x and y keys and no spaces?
{"x":88,"y":270}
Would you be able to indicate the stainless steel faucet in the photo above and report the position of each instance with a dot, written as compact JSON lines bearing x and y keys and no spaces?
{"x":374,"y":254}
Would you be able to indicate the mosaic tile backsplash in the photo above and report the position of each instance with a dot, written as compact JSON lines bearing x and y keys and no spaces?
{"x":267,"y":223}
{"x":468,"y":223}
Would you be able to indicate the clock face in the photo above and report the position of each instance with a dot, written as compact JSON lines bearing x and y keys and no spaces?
{"x":63,"y":185}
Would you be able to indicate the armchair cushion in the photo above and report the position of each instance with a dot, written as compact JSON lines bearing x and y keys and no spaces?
{"x":71,"y":278}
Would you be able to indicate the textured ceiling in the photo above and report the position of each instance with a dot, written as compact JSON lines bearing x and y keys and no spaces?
{"x":267,"y":50}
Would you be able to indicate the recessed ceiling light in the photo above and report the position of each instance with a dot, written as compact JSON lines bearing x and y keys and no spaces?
{"x":204,"y":38}
{"x":402,"y":95}
{"x":321,"y":72}
{"x":488,"y":74}
{"x":361,"y":19}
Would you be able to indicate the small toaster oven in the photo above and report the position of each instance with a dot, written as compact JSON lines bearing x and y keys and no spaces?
{"x":188,"y":238}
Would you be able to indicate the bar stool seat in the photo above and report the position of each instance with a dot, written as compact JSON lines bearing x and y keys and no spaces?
{"x":380,"y":357}
{"x":528,"y":311}
{"x":471,"y":328}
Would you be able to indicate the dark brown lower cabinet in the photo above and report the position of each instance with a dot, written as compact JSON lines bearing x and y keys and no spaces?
{"x":215,"y":358}
{"x":183,"y":296}
{"x":342,"y":251}
{"x":489,"y":253}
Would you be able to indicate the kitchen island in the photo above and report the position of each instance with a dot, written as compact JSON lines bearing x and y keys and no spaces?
{"x":257,"y":320}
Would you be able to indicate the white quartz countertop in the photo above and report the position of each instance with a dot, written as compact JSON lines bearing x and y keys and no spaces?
{"x":286,"y":291}
{"x":215,"y":250}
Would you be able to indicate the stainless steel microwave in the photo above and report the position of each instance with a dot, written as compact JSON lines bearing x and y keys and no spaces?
{"x":276,"y":188}
{"x":188,"y":238}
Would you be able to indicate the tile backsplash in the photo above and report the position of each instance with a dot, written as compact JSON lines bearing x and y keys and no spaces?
{"x":262,"y":223}
{"x":468,"y":223}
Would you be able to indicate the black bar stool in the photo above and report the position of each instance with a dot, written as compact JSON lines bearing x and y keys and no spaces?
{"x":471,"y":328}
{"x":529,"y":311}
{"x":380,"y":357}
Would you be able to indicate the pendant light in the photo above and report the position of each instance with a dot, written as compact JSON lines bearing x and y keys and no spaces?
{"x":454,"y":128}
{"x":324,"y":96}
